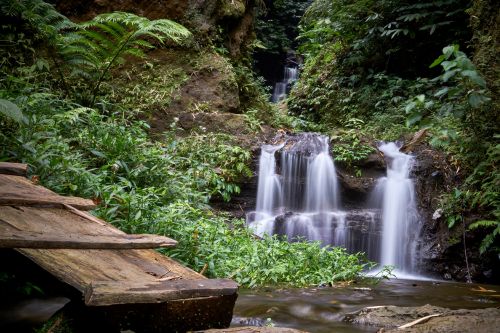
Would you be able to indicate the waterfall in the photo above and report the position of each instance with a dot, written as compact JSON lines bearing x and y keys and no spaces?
{"x":399,"y":214}
{"x":281,"y":88}
{"x":302,"y":199}
{"x":321,"y":188}
{"x":298,"y":196}
{"x":269,"y":193}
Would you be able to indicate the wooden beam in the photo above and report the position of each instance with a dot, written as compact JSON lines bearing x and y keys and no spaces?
{"x":17,"y":169}
{"x":14,"y":199}
{"x":37,"y":240}
{"x":105,"y":293}
{"x":19,"y":191}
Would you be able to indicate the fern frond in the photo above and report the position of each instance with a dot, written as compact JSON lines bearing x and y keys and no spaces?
{"x":134,"y":52}
{"x":42,"y":16}
{"x":143,"y":43}
{"x":102,"y":42}
{"x":483,"y":224}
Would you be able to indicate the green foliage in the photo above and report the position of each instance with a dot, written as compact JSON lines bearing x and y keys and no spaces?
{"x":487,"y":242}
{"x":348,"y":147}
{"x":276,"y":25}
{"x":11,"y":111}
{"x":146,"y":186}
{"x":106,"y":40}
{"x":165,"y":188}
{"x":39,"y":15}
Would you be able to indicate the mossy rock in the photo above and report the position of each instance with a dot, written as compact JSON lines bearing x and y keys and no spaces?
{"x":173,"y":83}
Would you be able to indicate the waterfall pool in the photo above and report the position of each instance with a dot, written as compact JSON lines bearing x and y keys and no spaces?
{"x":321,"y":310}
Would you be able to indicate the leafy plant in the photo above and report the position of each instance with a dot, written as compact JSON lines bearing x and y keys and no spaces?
{"x":39,"y":15}
{"x":11,"y":111}
{"x":348,"y":147}
{"x":106,"y":40}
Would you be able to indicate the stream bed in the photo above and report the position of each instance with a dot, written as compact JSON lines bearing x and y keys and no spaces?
{"x":321,"y":310}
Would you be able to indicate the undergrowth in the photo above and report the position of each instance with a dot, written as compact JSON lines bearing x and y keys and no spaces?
{"x":104,"y":152}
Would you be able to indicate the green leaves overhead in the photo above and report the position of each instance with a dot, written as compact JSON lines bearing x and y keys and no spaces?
{"x":108,"y":39}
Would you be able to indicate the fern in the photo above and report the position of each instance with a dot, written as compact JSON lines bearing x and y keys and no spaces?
{"x":41,"y":16}
{"x":487,"y":242}
{"x":106,"y":40}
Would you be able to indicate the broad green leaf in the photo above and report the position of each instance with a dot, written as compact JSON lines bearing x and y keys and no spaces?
{"x":413,"y":119}
{"x":475,"y":99}
{"x":474,"y":77}
{"x":11,"y":111}
{"x":438,"y":60}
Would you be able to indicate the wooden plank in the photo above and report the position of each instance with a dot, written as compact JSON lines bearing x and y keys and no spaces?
{"x":19,"y":191}
{"x":35,"y":240}
{"x":54,"y":221}
{"x":104,"y":293}
{"x":79,"y":268}
{"x":17,"y":169}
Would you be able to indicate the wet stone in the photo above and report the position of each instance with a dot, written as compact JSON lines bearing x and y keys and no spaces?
{"x":427,"y":318}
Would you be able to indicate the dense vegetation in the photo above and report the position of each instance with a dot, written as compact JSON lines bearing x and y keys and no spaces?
{"x":78,"y":140}
{"x":393,"y":67}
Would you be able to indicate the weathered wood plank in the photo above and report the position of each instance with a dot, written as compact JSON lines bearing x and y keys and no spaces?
{"x":19,"y":191}
{"x":55,"y":221}
{"x":104,"y":293}
{"x":17,"y":169}
{"x":79,"y":268}
{"x":35,"y":240}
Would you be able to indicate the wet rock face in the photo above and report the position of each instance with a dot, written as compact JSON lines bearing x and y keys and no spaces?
{"x":431,"y":319}
{"x":441,"y":250}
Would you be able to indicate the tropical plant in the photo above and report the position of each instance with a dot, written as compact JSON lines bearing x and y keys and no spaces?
{"x":39,"y":15}
{"x":106,"y":41}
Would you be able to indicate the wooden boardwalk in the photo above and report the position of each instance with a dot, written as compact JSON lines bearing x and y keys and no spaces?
{"x":118,"y":274}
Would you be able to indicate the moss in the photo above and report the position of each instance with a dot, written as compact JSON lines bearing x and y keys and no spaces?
{"x":176,"y":81}
{"x":485,"y":23}
{"x":231,"y":8}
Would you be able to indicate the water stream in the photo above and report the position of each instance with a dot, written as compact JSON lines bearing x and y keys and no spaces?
{"x":400,"y":221}
{"x":321,"y":310}
{"x":281,"y":88}
{"x":299,"y":197}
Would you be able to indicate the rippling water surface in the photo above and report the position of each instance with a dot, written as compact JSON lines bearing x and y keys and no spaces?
{"x":321,"y":310}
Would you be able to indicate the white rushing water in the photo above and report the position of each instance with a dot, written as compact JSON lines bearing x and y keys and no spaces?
{"x":298,"y":196}
{"x":302,"y":199}
{"x":399,"y":214}
{"x":291,"y":75}
{"x":321,"y":186}
{"x":269,"y":194}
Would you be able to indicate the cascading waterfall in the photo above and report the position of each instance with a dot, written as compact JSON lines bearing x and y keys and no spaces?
{"x":298,"y":196}
{"x":281,"y":88}
{"x":269,"y":194}
{"x":301,"y":201}
{"x":399,"y":213}
{"x":322,"y":188}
